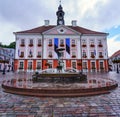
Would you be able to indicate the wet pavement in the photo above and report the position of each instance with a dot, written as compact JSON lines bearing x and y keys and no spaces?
{"x":107,"y":105}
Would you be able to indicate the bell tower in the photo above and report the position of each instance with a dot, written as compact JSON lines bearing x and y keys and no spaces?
{"x":60,"y":15}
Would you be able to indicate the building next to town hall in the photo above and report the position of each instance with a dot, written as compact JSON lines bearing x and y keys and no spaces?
{"x":84,"y":49}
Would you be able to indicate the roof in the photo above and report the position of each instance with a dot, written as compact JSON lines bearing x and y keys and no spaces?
{"x":42,"y":29}
{"x":115,"y":54}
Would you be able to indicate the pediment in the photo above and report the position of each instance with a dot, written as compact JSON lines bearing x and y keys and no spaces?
{"x":61,"y":29}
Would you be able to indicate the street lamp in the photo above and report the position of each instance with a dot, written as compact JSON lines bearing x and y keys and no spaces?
{"x":117,"y":61}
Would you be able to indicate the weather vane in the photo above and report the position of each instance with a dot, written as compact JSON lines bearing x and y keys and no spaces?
{"x":60,"y":1}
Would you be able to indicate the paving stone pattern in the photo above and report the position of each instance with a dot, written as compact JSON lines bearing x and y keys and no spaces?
{"x":107,"y":105}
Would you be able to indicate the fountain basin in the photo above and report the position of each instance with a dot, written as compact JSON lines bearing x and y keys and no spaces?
{"x":92,"y":87}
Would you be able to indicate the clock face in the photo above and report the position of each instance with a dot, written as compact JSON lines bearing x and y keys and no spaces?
{"x":60,"y":22}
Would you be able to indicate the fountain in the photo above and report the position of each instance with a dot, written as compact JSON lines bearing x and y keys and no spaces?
{"x":59,"y":82}
{"x":59,"y":73}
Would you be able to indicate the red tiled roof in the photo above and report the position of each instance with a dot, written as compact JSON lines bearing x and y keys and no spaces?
{"x":115,"y":54}
{"x":42,"y":29}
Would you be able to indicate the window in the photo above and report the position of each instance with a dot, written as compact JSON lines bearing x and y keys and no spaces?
{"x":84,"y":65}
{"x":30,"y":54}
{"x":29,"y":65}
{"x":21,"y":65}
{"x":100,"y":43}
{"x":84,"y":54}
{"x":50,"y":41}
{"x":73,"y":54}
{"x":31,"y":42}
{"x":22,"y":42}
{"x":84,"y":43}
{"x":22,"y":54}
{"x":73,"y":42}
{"x":50,"y":54}
{"x":101,"y":65}
{"x":61,"y":42}
{"x":39,"y":54}
{"x":38,"y":65}
{"x":74,"y":65}
{"x":93,"y":65}
{"x":100,"y":55}
{"x":39,"y":42}
{"x":92,"y":43}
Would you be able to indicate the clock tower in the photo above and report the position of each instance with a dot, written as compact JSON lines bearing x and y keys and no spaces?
{"x":60,"y":15}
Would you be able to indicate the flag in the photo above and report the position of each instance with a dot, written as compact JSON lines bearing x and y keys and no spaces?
{"x":55,"y":47}
{"x":67,"y":48}
{"x":18,"y":52}
{"x":94,"y":52}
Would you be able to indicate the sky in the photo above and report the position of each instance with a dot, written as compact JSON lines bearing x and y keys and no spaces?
{"x":98,"y":15}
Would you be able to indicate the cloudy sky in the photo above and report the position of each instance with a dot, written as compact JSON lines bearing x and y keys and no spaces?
{"x":99,"y":15}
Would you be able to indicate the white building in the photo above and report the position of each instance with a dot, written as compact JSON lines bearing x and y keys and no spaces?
{"x":84,"y":49}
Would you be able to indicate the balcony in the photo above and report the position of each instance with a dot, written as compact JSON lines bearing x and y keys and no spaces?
{"x":84,"y":45}
{"x":30,"y":45}
{"x":92,"y":45}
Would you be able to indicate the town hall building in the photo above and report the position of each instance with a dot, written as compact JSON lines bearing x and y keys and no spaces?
{"x":84,"y":49}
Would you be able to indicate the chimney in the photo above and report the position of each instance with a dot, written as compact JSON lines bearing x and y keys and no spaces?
{"x":74,"y":23}
{"x":46,"y":22}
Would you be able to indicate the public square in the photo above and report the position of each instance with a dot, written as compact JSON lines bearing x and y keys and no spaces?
{"x":106,"y":105}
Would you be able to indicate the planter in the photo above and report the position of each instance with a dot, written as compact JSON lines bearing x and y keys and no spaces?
{"x":92,"y":45}
{"x":83,"y":45}
{"x":30,"y":45}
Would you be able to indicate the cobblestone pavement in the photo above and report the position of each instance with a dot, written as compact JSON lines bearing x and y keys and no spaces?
{"x":107,"y":105}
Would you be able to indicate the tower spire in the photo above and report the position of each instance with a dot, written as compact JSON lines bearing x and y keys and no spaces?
{"x":60,"y":15}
